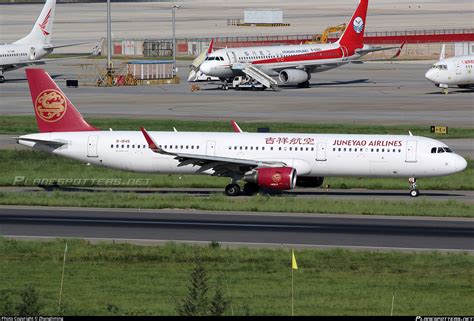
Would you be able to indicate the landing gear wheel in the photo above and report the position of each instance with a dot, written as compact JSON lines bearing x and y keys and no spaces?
{"x":232,"y":190}
{"x":251,"y":189}
{"x":413,"y":190}
{"x":225,"y":87}
{"x":2,"y":79}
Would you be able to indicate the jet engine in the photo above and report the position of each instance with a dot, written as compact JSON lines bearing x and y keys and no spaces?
{"x":279,"y":178}
{"x":293,"y":76}
{"x":309,"y":181}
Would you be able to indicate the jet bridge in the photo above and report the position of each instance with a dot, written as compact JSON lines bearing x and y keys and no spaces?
{"x":255,"y":74}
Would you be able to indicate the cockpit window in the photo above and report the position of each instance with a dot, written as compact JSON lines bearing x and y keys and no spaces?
{"x":440,"y":67}
{"x":439,"y":150}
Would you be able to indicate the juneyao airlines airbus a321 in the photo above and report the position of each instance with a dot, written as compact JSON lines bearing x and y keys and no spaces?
{"x":30,"y":49}
{"x":278,"y":161}
{"x":294,"y":64}
{"x":453,"y":71}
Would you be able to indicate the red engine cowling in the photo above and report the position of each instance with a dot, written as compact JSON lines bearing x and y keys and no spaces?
{"x":280,"y":178}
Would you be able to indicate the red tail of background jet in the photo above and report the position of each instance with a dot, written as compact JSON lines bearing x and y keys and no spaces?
{"x":54,"y":112}
{"x":353,"y":36}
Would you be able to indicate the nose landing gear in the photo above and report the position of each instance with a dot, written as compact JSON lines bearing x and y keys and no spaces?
{"x":2,"y":79}
{"x":413,"y":190}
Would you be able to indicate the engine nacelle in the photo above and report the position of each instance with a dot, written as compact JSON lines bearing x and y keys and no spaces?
{"x":279,"y":178}
{"x":309,"y":181}
{"x":293,"y":76}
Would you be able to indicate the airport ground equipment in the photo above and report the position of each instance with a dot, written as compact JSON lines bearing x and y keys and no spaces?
{"x":323,"y":38}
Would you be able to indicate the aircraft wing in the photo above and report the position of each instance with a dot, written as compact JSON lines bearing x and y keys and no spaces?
{"x":222,"y":166}
{"x":65,"y":45}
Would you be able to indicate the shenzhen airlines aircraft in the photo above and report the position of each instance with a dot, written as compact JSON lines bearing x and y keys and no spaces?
{"x":294,"y":64}
{"x":454,"y":71}
{"x":30,"y":49}
{"x":276,"y":161}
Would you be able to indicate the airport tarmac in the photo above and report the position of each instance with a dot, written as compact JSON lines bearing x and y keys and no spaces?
{"x":208,"y":18}
{"x":372,"y":93}
{"x":239,"y":229}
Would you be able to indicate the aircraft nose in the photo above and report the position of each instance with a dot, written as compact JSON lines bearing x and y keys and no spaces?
{"x":461,"y":163}
{"x":205,"y":68}
{"x":430,"y":75}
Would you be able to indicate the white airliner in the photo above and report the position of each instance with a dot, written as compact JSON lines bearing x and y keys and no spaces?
{"x":454,"y":71}
{"x":293,"y":64}
{"x":30,"y":49}
{"x":278,"y":161}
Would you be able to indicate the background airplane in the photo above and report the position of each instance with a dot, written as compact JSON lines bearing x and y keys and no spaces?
{"x":454,"y":71}
{"x":294,"y":64}
{"x":276,"y":161}
{"x":30,"y":49}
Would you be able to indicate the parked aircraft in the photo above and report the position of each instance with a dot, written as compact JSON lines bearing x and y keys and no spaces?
{"x":275,"y":161}
{"x":30,"y":49}
{"x":453,"y":71}
{"x":294,"y":64}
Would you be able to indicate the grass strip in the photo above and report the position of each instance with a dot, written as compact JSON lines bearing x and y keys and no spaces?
{"x":27,"y":124}
{"x":150,"y":280}
{"x":30,"y":168}
{"x":258,"y":203}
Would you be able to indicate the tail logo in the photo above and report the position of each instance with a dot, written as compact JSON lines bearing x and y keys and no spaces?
{"x":276,"y":178}
{"x":50,"y":105}
{"x":45,"y":23}
{"x":358,"y":24}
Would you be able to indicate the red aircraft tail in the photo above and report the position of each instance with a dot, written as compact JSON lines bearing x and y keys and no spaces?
{"x":54,"y":112}
{"x":353,"y":36}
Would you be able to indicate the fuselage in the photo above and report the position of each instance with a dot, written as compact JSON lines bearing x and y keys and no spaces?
{"x":453,"y":71}
{"x":272,"y":59}
{"x":310,"y":154}
{"x":13,"y":54}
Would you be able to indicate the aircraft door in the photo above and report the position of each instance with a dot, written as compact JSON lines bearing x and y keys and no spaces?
{"x":32,"y":53}
{"x":210,"y":148}
{"x":411,"y":151}
{"x":458,"y":68}
{"x":345,"y":53}
{"x":92,"y":143}
{"x":321,"y":152}
{"x":232,"y":57}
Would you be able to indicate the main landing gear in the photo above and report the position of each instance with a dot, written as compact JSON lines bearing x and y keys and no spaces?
{"x":232,"y":189}
{"x":413,"y":190}
{"x":249,"y":189}
{"x":2,"y":79}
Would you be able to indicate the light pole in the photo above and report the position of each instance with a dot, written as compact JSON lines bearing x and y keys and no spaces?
{"x":173,"y":11}
{"x":109,"y":38}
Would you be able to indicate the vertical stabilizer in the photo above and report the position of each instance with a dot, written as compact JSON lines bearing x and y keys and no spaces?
{"x":43,"y":27}
{"x":54,"y":111}
{"x":353,"y":36}
{"x":442,"y":54}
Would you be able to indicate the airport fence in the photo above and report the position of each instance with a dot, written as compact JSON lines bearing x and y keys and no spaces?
{"x":419,"y":43}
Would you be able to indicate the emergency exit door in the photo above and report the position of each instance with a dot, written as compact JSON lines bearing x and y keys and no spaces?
{"x":411,"y":151}
{"x":211,"y":148}
{"x":321,"y":152}
{"x":92,"y":146}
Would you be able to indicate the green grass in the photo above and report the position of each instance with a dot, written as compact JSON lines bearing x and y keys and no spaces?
{"x":149,"y":280}
{"x":27,"y":124}
{"x":259,"y":203}
{"x":35,"y":166}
